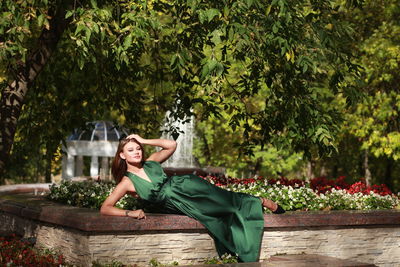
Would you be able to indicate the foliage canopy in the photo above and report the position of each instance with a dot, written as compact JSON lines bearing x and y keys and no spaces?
{"x":67,"y":62}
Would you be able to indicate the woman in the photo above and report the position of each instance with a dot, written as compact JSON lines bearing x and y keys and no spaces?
{"x":234,"y":220}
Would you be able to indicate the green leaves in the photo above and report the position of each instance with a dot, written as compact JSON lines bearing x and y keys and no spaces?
{"x":19,"y":24}
{"x":93,"y":3}
{"x":208,"y":15}
{"x":324,"y":136}
{"x":267,"y":64}
{"x":375,"y":119}
{"x":375,"y":122}
{"x":211,"y":67}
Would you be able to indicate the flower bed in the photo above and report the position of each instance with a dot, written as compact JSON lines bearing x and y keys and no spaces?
{"x":318,"y":194}
{"x":17,"y":252}
{"x":84,"y":235}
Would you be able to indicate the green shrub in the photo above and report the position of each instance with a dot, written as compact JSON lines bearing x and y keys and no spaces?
{"x":224,"y":259}
{"x":113,"y":263}
{"x":91,"y":194}
{"x":155,"y":263}
{"x":88,"y":194}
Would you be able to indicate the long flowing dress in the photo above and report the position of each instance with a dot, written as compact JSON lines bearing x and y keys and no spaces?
{"x":234,"y":220}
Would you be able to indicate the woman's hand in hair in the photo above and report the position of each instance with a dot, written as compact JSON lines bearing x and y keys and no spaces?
{"x":168,"y":147}
{"x":136,"y":137}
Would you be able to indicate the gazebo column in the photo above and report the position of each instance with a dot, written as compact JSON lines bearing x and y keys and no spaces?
{"x":94,"y":166}
{"x":79,"y":166}
{"x":104,"y":168}
{"x":78,"y":150}
{"x":68,"y":163}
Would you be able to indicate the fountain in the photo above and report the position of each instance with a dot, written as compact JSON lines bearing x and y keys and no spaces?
{"x":182,"y":161}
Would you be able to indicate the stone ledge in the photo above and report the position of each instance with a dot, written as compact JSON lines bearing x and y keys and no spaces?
{"x":314,"y":260}
{"x":40,"y":209}
{"x":295,"y":261}
{"x":24,"y":188}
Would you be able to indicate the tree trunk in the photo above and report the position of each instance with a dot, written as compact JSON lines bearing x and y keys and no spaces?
{"x":12,"y":97}
{"x":335,"y":171}
{"x":310,"y":170}
{"x":49,"y":157}
{"x":206,"y":150}
{"x":388,"y":173}
{"x":367,"y":172}
{"x":257,"y":167}
{"x":323,"y":172}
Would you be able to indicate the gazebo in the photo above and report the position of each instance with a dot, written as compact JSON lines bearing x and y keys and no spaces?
{"x":98,"y":141}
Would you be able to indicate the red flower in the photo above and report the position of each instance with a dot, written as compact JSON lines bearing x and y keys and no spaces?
{"x":361,"y":187}
{"x":21,"y":254}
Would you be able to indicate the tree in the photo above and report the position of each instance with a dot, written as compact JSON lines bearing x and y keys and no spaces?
{"x":25,"y":73}
{"x":369,"y":139}
{"x":217,"y":145}
{"x":71,"y":89}
{"x":375,"y":121}
{"x":154,"y":56}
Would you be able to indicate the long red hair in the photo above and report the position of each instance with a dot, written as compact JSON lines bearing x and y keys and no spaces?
{"x":119,"y":166}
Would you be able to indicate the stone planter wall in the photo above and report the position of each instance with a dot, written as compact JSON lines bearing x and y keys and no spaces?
{"x":83,"y":235}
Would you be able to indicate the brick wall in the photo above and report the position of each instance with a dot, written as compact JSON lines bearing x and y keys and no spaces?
{"x":378,"y":244}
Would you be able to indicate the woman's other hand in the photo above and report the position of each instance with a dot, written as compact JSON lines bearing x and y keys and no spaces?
{"x":137,"y":214}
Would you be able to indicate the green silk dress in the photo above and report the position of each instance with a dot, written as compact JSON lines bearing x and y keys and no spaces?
{"x":234,"y":220}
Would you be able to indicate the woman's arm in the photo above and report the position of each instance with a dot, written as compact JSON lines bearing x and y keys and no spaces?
{"x":168,"y":147}
{"x":108,"y":207}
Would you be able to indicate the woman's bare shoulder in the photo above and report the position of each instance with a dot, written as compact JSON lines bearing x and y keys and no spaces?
{"x":127,"y":184}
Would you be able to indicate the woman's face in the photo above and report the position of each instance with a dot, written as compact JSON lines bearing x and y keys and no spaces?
{"x":132,"y":153}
